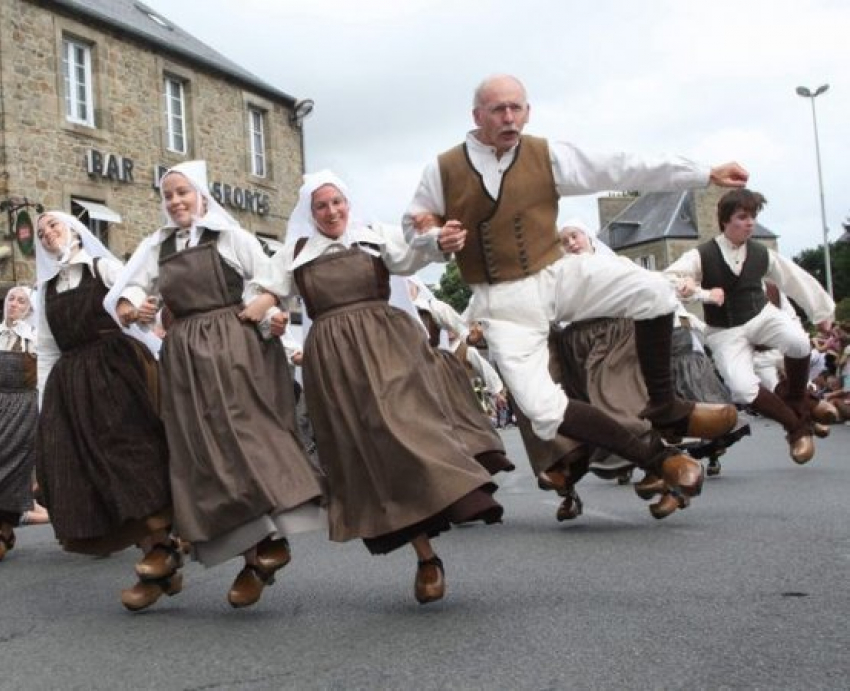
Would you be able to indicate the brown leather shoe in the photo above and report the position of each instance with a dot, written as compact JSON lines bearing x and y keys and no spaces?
{"x":649,"y":486}
{"x":430,"y":582}
{"x":667,"y":504}
{"x":711,"y":420}
{"x":820,"y":430}
{"x":825,"y":413}
{"x":683,"y":473}
{"x":161,"y":562}
{"x":145,"y":593}
{"x":554,"y":480}
{"x":802,"y":449}
{"x":571,"y":508}
{"x":273,"y":555}
{"x":248,"y":586}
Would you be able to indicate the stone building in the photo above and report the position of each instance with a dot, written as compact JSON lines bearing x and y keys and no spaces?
{"x":656,"y":228}
{"x":98,"y":97}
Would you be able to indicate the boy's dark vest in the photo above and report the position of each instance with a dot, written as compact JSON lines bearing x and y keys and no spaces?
{"x":744,"y":294}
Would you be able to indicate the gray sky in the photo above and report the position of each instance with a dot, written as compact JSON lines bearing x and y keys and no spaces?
{"x":393,"y":81}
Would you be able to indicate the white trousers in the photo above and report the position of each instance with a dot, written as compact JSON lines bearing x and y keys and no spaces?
{"x":767,"y":366}
{"x":734,"y":354}
{"x":516,"y":317}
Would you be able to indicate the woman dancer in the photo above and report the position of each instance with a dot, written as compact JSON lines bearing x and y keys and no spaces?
{"x":102,"y":460}
{"x":240,"y":478}
{"x":395,"y":470}
{"x":18,"y":413}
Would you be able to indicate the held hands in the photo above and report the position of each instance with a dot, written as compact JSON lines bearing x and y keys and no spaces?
{"x":297,"y":358}
{"x":686,"y":287}
{"x":255,"y":310}
{"x":475,"y":335}
{"x":126,"y":312}
{"x":425,"y":221}
{"x":452,"y":237}
{"x":145,"y":314}
{"x":716,"y":296}
{"x":729,"y":175}
{"x":278,"y":324}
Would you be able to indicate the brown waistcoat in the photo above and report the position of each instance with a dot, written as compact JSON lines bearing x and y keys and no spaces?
{"x":515,"y":235}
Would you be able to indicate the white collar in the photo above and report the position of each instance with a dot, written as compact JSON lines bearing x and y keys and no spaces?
{"x":21,"y":327}
{"x":727,"y":245}
{"x":318,"y":244}
{"x":475,"y":144}
{"x":81,"y":257}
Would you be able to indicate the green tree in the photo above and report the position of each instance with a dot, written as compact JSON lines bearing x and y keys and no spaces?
{"x":842,"y":311}
{"x":839,"y":253}
{"x":452,"y":288}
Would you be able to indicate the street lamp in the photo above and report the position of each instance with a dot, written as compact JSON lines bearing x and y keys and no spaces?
{"x":806,"y":93}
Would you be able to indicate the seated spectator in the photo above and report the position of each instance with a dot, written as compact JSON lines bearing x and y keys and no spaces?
{"x":839,"y":396}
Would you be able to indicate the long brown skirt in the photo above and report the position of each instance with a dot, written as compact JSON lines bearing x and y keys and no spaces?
{"x":384,"y":436}
{"x":102,"y":459}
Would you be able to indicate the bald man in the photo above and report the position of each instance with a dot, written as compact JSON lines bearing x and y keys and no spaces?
{"x":496,"y":198}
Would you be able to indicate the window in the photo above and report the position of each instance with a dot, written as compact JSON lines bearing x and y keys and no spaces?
{"x":96,"y":216}
{"x":647,"y":262}
{"x":77,"y":74}
{"x":256,"y":118}
{"x":175,"y":115}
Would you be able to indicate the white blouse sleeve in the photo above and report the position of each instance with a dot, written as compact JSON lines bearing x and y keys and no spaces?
{"x":48,"y":350}
{"x":402,"y":258}
{"x":427,"y":199}
{"x":801,"y":287}
{"x":138,"y":278}
{"x":447,"y":318}
{"x":277,"y":278}
{"x":492,"y":381}
{"x":580,"y":171}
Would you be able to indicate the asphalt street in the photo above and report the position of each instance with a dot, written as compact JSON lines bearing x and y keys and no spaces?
{"x":748,"y":588}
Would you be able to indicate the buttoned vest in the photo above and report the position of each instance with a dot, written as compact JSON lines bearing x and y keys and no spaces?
{"x":514,"y":235}
{"x":744,"y":294}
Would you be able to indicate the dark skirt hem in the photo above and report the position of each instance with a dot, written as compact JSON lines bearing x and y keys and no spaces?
{"x":478,"y":505}
{"x":495,"y":462}
{"x":127,"y":535}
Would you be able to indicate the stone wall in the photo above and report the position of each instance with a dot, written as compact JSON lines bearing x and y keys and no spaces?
{"x":43,"y":157}
{"x":612,"y":205}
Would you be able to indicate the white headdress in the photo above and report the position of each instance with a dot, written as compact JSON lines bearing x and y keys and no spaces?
{"x":24,"y":326}
{"x":301,"y":223}
{"x":421,"y":293}
{"x":598,"y":246}
{"x":215,"y":217}
{"x":48,"y":265}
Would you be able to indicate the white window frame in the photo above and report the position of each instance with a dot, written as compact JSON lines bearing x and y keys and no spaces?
{"x":257,"y":139}
{"x":647,"y":261}
{"x":98,"y":228}
{"x":76,"y":59}
{"x":175,"y":122}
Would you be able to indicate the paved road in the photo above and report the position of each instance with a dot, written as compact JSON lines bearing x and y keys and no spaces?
{"x":748,"y":588}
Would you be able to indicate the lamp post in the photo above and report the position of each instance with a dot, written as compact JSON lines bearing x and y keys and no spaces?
{"x":812,"y":95}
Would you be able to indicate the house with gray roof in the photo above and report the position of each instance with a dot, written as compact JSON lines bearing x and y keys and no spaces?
{"x":656,"y":228}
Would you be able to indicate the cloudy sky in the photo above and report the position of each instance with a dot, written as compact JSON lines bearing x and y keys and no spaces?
{"x":393,"y":82}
